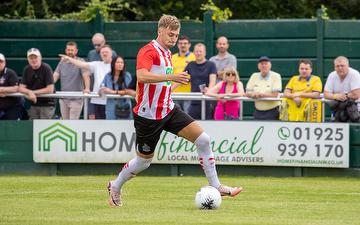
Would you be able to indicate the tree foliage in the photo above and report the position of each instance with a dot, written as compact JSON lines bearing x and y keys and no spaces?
{"x":218,"y":14}
{"x":107,"y":9}
{"x":186,"y":9}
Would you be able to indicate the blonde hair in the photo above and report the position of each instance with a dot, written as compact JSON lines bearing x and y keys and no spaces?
{"x":168,"y":21}
{"x":200,"y":45}
{"x":231,"y":70}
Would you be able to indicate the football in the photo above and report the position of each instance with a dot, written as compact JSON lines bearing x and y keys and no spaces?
{"x":208,"y":198}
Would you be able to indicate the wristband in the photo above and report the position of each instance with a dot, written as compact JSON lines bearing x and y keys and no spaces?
{"x":335,"y":96}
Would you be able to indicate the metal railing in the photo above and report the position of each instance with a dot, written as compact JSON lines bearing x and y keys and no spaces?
{"x":175,"y":96}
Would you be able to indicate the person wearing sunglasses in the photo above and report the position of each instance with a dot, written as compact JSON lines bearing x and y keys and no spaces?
{"x":98,"y":41}
{"x":230,"y":87}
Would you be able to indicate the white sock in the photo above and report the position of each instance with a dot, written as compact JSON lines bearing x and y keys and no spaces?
{"x":129,"y":170}
{"x":207,"y":159}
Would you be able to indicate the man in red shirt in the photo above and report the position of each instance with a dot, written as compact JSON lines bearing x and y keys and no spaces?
{"x":155,"y":111}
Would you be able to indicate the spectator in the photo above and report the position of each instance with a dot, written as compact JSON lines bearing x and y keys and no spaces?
{"x":343,"y":86}
{"x":98,"y":41}
{"x":223,"y":59}
{"x":265,"y":83}
{"x":300,"y":92}
{"x":99,"y":69}
{"x":38,"y":79}
{"x":230,"y":87}
{"x":72,"y":78}
{"x":180,"y":61}
{"x":117,"y":82}
{"x":203,"y":76}
{"x":10,"y":107}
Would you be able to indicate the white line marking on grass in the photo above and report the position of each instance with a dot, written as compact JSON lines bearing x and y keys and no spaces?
{"x":50,"y":192}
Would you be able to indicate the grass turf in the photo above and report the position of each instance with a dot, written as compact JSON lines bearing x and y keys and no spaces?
{"x":170,"y":200}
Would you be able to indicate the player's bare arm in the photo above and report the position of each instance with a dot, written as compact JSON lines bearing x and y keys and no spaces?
{"x":145,"y":76}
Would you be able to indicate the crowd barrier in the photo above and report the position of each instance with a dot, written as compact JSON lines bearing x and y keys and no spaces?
{"x":175,"y":96}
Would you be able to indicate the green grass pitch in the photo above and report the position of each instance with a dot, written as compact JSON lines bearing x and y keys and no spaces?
{"x":170,"y":200}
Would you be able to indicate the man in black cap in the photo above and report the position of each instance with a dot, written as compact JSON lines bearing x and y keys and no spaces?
{"x":265,"y":83}
{"x":9,"y":106}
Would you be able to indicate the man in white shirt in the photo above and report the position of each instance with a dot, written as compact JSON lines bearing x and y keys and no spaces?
{"x":343,"y":83}
{"x":343,"y":86}
{"x":99,"y":69}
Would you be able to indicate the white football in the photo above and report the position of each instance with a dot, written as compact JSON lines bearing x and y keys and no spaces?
{"x":208,"y":197}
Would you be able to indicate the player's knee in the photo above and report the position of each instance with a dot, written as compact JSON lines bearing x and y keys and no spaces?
{"x":139,"y":164}
{"x":203,"y":141}
{"x":145,"y":162}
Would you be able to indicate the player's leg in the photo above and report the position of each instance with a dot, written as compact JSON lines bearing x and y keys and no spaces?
{"x":129,"y":170}
{"x":147,"y":135}
{"x":194,"y":133}
{"x":185,"y":126}
{"x":139,"y":163}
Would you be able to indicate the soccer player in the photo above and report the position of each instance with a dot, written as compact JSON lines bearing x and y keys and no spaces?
{"x":155,"y":112}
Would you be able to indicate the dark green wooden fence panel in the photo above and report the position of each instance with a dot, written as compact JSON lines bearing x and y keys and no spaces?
{"x":130,"y":31}
{"x":355,"y":145}
{"x":265,"y":29}
{"x":342,"y":29}
{"x":349,"y":48}
{"x":16,"y":141}
{"x":283,"y":48}
{"x":48,"y":47}
{"x":146,"y":31}
{"x":45,"y":29}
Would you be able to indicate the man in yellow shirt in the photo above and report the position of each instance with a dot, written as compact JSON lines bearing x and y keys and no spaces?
{"x":300,"y":93}
{"x":180,"y":61}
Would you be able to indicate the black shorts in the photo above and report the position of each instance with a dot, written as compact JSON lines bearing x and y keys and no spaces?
{"x":148,"y":131}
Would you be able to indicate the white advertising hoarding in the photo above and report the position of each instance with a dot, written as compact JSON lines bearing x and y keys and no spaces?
{"x":233,"y":143}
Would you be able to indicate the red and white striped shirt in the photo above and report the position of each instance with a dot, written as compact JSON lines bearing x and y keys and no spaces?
{"x":154,"y":99}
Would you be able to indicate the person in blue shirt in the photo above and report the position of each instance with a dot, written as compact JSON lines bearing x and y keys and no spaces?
{"x":117,"y":81}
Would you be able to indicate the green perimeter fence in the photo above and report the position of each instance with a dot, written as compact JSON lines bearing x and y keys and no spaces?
{"x":16,"y":157}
